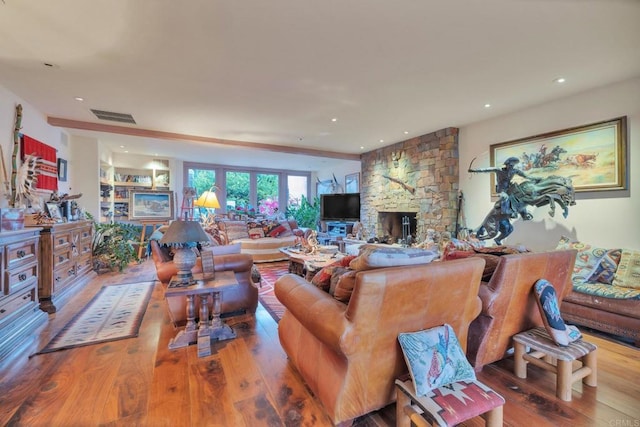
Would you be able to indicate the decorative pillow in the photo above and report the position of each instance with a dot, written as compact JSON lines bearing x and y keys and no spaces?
{"x":268,"y":225}
{"x":628,"y":273}
{"x":256,"y":233}
{"x":547,"y":301}
{"x":343,"y":287}
{"x":606,"y":267}
{"x":236,"y":230}
{"x":287,"y":229}
{"x":586,"y":259}
{"x":435,"y":358}
{"x":322,"y":278}
{"x":455,"y":245}
{"x":277,"y":231}
{"x":376,"y":256}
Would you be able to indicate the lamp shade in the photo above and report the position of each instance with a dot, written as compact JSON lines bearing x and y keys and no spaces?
{"x":181,"y":232}
{"x":208,"y":199}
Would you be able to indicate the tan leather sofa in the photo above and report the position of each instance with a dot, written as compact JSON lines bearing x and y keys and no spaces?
{"x":239,"y":299}
{"x":348,"y":354}
{"x":508,"y":303}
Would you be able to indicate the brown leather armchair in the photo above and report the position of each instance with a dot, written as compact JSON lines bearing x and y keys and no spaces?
{"x":348,"y":354}
{"x":508,"y":303}
{"x":239,"y":299}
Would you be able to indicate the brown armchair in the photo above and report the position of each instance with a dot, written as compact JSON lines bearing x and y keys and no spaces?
{"x":242,"y":298}
{"x":508,"y":303}
{"x":348,"y":354}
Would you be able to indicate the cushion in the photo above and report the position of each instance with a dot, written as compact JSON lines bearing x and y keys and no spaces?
{"x":236,"y":230}
{"x":256,"y":233}
{"x":376,"y":256}
{"x":322,"y":279}
{"x":547,"y":301}
{"x":435,"y":358}
{"x":287,"y":229}
{"x":628,"y":273}
{"x":342,"y":288}
{"x":587,"y":258}
{"x":606,"y":267}
{"x":278,"y":231}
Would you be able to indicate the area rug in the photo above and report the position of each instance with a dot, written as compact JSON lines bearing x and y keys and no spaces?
{"x":270,"y":273}
{"x":115,"y":313}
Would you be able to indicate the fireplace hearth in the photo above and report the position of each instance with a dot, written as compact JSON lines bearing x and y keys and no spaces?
{"x":395,"y":226}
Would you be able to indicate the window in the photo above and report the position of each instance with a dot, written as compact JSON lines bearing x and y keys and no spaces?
{"x":257,"y":190}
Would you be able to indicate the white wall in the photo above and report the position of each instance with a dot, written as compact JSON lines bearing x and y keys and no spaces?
{"x":606,"y":219}
{"x":34,"y":124}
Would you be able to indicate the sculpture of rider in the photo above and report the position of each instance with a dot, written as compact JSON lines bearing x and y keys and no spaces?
{"x":504,"y":175}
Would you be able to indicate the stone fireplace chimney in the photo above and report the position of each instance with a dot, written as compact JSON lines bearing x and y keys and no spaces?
{"x":418,"y":176}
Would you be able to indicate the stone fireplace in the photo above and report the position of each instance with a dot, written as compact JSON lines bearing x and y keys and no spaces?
{"x":397,"y":224}
{"x":418,"y":177}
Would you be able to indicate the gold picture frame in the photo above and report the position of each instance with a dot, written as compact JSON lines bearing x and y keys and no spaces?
{"x":594,"y":156}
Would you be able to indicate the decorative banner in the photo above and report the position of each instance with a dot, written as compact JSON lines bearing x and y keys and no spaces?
{"x":48,"y":167}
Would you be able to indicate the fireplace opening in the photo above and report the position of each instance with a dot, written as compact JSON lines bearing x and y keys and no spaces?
{"x":397,"y":225}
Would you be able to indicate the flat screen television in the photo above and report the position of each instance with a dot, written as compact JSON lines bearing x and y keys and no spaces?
{"x":340,"y":207}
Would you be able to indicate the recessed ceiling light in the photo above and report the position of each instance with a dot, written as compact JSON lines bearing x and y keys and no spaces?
{"x":382,"y":140}
{"x":335,"y":119}
{"x":487,"y":105}
{"x":560,"y":80}
{"x":126,"y":151}
{"x":406,"y":132}
{"x":79,"y":98}
{"x":361,"y":147}
{"x":122,"y":146}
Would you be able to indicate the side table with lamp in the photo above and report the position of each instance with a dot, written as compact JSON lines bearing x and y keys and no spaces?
{"x":183,"y":235}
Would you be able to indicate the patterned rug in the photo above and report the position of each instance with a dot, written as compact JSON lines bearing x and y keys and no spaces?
{"x":115,"y":313}
{"x":270,"y":273}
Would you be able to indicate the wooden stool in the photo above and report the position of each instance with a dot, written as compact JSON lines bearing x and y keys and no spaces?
{"x":448,"y":405}
{"x":544,"y":352}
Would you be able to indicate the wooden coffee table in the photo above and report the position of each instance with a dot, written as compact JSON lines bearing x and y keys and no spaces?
{"x":306,"y":265}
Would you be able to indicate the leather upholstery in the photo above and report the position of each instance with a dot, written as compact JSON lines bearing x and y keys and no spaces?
{"x":508,"y":304}
{"x":234,"y":299}
{"x":348,"y":354}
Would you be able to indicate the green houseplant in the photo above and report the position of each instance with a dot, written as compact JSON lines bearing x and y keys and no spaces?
{"x":113,"y":245}
{"x":305,"y":213}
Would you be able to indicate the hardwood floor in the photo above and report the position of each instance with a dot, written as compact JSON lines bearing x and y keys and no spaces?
{"x":248,"y":382}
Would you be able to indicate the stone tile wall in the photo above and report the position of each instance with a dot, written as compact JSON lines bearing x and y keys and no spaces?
{"x":417,"y":175}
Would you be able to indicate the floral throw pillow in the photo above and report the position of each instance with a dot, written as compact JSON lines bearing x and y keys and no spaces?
{"x":435,"y":358}
{"x":606,"y":267}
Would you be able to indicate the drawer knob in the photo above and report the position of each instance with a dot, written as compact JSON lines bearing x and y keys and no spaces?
{"x":22,"y":277}
{"x":58,"y":278}
{"x":21,"y":253}
{"x":2,"y":311}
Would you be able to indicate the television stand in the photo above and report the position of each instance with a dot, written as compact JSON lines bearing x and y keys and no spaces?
{"x":339,"y":228}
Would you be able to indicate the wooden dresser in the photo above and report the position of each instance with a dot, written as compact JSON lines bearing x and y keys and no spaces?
{"x":65,"y":262}
{"x":20,"y":314}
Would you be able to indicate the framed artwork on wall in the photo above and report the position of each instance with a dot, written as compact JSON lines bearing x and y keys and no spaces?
{"x":145,"y":205}
{"x":352,"y":183}
{"x":593,"y":156}
{"x":62,"y":170}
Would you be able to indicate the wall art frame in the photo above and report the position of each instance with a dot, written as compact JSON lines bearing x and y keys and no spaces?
{"x":352,"y":183}
{"x":594,"y":156}
{"x":146,"y":205}
{"x":62,"y":170}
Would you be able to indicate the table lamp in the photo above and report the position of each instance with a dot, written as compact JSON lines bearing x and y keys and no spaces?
{"x":208,"y":199}
{"x":184,"y":235}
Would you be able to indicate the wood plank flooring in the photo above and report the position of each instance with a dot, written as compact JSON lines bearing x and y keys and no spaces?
{"x":248,"y":381}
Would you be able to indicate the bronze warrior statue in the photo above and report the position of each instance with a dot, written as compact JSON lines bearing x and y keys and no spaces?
{"x":514,"y":197}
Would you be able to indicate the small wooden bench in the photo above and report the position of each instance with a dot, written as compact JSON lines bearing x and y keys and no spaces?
{"x":546,"y":354}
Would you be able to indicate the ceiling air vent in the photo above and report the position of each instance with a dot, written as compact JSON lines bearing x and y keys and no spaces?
{"x":114,"y":117}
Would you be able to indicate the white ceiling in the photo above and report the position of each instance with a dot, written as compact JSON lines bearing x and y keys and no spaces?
{"x":277,"y":71}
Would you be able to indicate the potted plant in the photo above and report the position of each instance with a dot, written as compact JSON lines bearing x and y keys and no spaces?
{"x":113,"y":245}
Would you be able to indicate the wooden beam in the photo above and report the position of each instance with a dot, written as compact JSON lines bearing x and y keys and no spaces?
{"x":172,"y":136}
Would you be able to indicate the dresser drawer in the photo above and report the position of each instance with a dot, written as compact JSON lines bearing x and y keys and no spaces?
{"x":62,"y":240}
{"x":21,"y":253}
{"x":64,"y":276}
{"x":13,"y":305}
{"x":19,"y":278}
{"x":84,"y":264}
{"x":63,"y":257}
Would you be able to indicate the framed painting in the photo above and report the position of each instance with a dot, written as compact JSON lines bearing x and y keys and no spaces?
{"x":352,"y":183}
{"x":54,"y":212}
{"x":62,"y":170}
{"x":146,"y":205}
{"x":593,"y":156}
